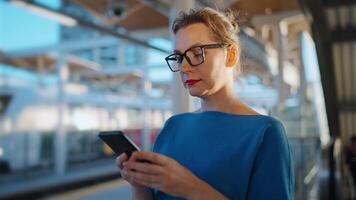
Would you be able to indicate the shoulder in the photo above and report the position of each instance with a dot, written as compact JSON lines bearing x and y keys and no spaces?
{"x":167,"y":132}
{"x":274,"y":135}
{"x":176,"y":119}
{"x":273,"y":125}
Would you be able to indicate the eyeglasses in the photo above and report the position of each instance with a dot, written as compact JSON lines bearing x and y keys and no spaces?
{"x":194,"y":55}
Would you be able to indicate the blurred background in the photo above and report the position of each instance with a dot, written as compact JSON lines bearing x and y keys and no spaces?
{"x":72,"y":68}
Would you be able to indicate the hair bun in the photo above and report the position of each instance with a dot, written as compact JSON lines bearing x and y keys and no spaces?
{"x":233,"y":18}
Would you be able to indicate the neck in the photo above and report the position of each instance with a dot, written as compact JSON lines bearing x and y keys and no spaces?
{"x":223,"y":100}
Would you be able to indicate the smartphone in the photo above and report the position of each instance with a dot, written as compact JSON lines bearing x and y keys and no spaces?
{"x":118,"y":142}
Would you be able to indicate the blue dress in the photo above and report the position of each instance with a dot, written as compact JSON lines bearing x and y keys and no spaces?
{"x":241,"y":156}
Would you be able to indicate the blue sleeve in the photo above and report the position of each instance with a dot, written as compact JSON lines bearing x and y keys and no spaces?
{"x":273,"y":171}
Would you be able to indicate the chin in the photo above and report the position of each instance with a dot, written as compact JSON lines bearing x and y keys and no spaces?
{"x":196,"y":93}
{"x":193,"y":92}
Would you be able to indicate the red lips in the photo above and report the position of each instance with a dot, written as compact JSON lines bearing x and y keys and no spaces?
{"x":192,"y":82}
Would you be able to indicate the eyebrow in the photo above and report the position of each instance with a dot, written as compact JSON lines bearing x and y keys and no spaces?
{"x":195,"y":44}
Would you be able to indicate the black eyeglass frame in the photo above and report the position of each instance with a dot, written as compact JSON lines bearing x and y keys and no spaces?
{"x":184,"y":54}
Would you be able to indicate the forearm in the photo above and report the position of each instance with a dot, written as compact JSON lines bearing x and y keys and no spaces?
{"x":206,"y":192}
{"x":141,"y":193}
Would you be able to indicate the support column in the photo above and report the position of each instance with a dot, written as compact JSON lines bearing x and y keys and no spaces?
{"x":146,"y":86}
{"x":181,"y":99}
{"x":146,"y":113}
{"x":280,"y":41}
{"x":60,"y":146}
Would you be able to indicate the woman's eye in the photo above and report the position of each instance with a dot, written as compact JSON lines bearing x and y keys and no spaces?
{"x":197,"y":51}
{"x":198,"y":55}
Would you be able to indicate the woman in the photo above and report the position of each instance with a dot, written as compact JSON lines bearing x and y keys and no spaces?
{"x":225,"y":150}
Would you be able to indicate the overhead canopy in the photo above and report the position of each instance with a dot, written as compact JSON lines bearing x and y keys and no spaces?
{"x":132,"y":17}
{"x":262,"y":7}
{"x":156,"y":14}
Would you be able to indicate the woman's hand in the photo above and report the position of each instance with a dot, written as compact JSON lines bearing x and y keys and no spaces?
{"x":119,"y":162}
{"x":138,"y":191}
{"x":160,"y":172}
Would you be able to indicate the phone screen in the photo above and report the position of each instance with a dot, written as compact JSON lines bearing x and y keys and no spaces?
{"x":118,"y":142}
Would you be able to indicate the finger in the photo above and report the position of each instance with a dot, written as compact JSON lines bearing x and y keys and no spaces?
{"x":154,"y":158}
{"x":145,"y":183}
{"x":144,"y":167}
{"x":129,"y":176}
{"x":124,"y":174}
{"x":144,"y":178}
{"x":120,"y":159}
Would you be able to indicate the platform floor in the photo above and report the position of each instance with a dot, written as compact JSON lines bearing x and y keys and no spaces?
{"x":111,"y":190}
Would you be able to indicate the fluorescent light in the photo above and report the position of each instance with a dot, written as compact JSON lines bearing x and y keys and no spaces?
{"x":60,"y":18}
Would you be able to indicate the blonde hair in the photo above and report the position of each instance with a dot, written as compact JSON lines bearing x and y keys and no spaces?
{"x":223,"y":26}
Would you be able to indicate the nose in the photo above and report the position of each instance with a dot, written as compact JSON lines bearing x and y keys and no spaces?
{"x":185,"y":66}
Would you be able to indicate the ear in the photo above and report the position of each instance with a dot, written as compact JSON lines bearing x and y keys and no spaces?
{"x":232,"y":56}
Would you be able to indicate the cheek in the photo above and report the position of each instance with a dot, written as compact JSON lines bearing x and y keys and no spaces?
{"x":213,"y":70}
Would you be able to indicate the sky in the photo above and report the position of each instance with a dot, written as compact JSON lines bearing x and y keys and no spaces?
{"x":21,"y":29}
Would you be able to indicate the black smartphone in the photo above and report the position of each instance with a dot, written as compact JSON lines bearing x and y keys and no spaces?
{"x":118,"y":142}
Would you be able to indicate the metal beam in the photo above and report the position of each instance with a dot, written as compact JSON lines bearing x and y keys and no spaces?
{"x":338,"y":3}
{"x":275,"y":17}
{"x":344,"y":35}
{"x":124,"y":35}
{"x":159,"y":6}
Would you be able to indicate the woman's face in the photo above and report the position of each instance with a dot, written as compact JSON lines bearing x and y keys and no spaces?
{"x":212,"y":74}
